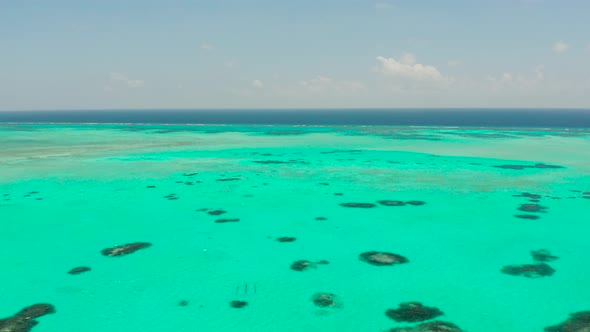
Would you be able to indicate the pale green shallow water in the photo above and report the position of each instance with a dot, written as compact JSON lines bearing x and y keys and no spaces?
{"x":92,"y":181}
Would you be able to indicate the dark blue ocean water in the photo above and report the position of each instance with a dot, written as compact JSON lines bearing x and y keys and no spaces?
{"x":415,"y":117}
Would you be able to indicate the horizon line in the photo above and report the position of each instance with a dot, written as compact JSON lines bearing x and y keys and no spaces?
{"x":309,"y":109}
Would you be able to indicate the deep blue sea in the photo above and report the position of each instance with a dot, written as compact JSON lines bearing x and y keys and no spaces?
{"x":408,"y":117}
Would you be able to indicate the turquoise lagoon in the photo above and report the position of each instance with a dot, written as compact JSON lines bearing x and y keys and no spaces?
{"x":69,"y":191}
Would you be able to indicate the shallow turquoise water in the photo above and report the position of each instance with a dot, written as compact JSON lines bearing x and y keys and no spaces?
{"x":92,"y":194}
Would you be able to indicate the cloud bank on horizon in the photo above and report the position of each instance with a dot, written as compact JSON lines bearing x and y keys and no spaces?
{"x":68,"y":54}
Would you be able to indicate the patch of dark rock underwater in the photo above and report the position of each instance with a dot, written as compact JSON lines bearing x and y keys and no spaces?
{"x":125,"y":249}
{"x":25,"y":320}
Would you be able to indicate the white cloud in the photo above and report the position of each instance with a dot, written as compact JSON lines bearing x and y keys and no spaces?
{"x":520,"y":82}
{"x":539,"y":72}
{"x":408,"y":59}
{"x":120,"y":79}
{"x":561,"y":46}
{"x":324,"y":84}
{"x":207,"y":47}
{"x":257,"y":84}
{"x":453,"y":63}
{"x":406,"y":72}
{"x":382,"y":5}
{"x":230,"y":64}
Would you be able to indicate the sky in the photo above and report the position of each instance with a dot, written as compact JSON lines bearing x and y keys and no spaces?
{"x":136,"y":54}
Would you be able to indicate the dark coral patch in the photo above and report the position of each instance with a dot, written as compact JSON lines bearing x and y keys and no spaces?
{"x":279,"y":162}
{"x":521,"y":167}
{"x":436,"y":326}
{"x":79,"y":270}
{"x":216,"y":212}
{"x":439,"y":327}
{"x":321,"y":218}
{"x":527,"y":216}
{"x":286,"y":239}
{"x":171,"y":197}
{"x":547,"y":166}
{"x":382,"y":258}
{"x":125,"y":249}
{"x":535,"y":208}
{"x":341,"y":151}
{"x":518,"y":167}
{"x":150,"y":187}
{"x":416,"y":203}
{"x":301,"y":265}
{"x":529,"y":270}
{"x":413,"y":312}
{"x":238,"y":304}
{"x":358,"y":205}
{"x":24,"y":320}
{"x":183,"y":303}
{"x":325,"y":300}
{"x":543,"y":255}
{"x":221,"y":221}
{"x":16,"y":324}
{"x":391,"y":203}
{"x":528,"y":195}
{"x":36,"y":311}
{"x":338,"y":194}
{"x":228,"y":179}
{"x":577,"y":322}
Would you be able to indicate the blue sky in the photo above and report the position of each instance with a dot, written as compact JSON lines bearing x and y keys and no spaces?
{"x":287,"y":54}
